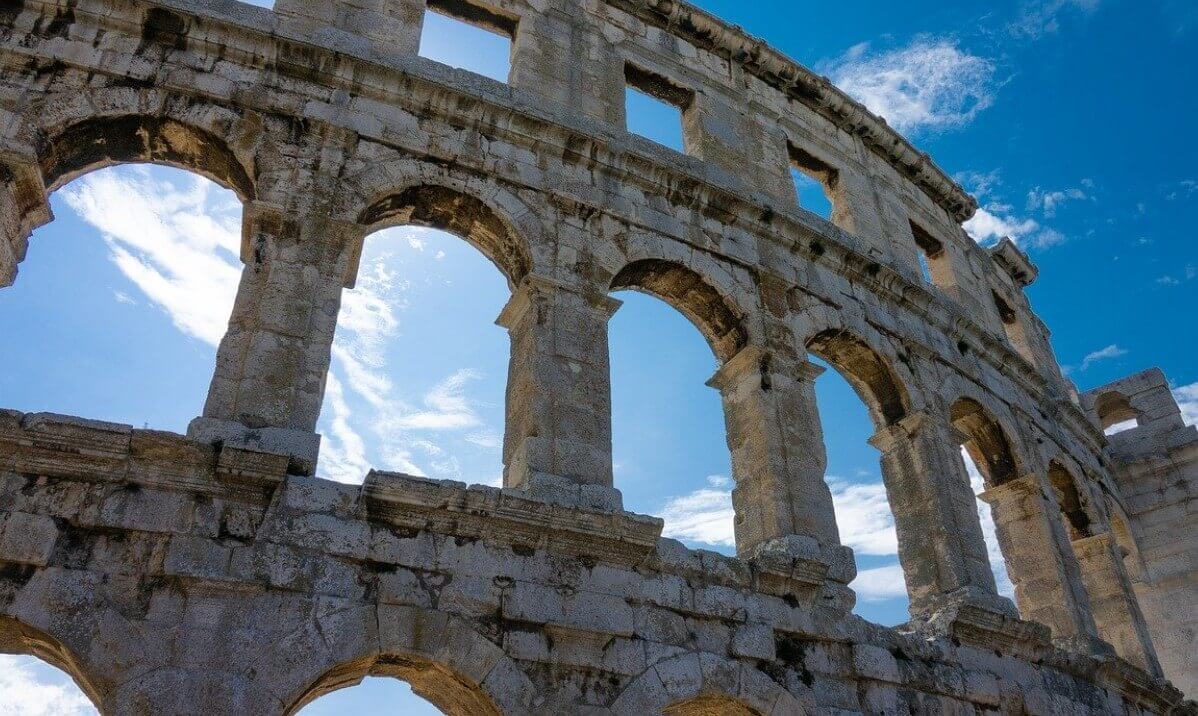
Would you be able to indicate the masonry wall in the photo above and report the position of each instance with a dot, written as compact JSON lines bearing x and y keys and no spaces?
{"x":328,"y":126}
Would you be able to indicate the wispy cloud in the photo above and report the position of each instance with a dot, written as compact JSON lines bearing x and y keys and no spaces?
{"x":1111,"y":351}
{"x":178,"y":244}
{"x":929,"y":84}
{"x":704,"y":516}
{"x":1049,"y":201}
{"x":862,"y":514}
{"x":995,"y":219}
{"x":1187,"y":400}
{"x":366,"y":419}
{"x":1043,"y":17}
{"x":29,"y":688}
{"x":880,"y":583}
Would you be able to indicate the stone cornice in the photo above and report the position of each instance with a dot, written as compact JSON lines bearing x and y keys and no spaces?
{"x":801,"y":84}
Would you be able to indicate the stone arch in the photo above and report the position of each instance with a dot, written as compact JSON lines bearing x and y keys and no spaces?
{"x":478,"y":222}
{"x":986,"y":440}
{"x":1075,"y":508}
{"x":445,"y":661}
{"x":1112,"y":408}
{"x":106,"y":141}
{"x":866,"y":370}
{"x":702,"y":684}
{"x":19,"y":638}
{"x":710,"y":310}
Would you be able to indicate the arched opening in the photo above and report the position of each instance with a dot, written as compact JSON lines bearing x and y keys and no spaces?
{"x":669,"y":450}
{"x":124,"y":297}
{"x":985,"y":441}
{"x":1115,"y":413}
{"x":858,"y":397}
{"x":989,"y":462}
{"x":710,"y":705}
{"x":394,"y":684}
{"x":416,"y":382}
{"x":39,"y":676}
{"x":1073,"y":509}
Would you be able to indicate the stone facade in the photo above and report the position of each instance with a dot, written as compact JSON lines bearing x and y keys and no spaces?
{"x":213,"y":573}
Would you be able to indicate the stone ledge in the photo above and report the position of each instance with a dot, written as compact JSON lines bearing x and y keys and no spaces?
{"x":494,"y":514}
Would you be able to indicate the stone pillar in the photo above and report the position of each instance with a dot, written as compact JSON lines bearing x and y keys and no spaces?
{"x":557,"y":440}
{"x":562,"y":54}
{"x":24,"y":206}
{"x":1116,"y":611}
{"x":941,"y":548}
{"x":272,"y":363}
{"x":1048,"y":586}
{"x":778,"y":457}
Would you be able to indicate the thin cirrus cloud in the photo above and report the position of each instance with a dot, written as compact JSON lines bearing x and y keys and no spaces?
{"x":364,"y":415}
{"x":1111,"y":351}
{"x":927,"y":85}
{"x":177,"y":244}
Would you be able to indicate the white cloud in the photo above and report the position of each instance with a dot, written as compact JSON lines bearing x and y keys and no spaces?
{"x":179,"y":246}
{"x":1187,"y":400}
{"x":995,"y":220}
{"x":1111,"y":351}
{"x":122,"y":297}
{"x":930,"y":84}
{"x":1043,"y":17}
{"x":704,"y":515}
{"x":366,"y":420}
{"x":31,"y":688}
{"x":448,"y":406}
{"x":864,"y":517}
{"x":1050,"y":201}
{"x":879,"y":583}
{"x":862,"y":514}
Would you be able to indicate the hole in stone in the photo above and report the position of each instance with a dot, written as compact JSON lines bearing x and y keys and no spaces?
{"x":122,"y":300}
{"x":655,"y":108}
{"x":419,"y":367}
{"x":815,"y":182}
{"x":469,"y":37}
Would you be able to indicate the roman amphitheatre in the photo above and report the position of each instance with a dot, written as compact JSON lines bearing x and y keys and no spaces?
{"x":215,"y":573}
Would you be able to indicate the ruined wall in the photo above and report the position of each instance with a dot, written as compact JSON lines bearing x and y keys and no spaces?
{"x":215,"y":574}
{"x":1156,"y":473}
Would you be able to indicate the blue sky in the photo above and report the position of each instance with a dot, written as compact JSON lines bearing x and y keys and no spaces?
{"x":1069,"y":119}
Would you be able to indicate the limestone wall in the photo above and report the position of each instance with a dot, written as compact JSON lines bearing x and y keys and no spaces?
{"x":328,"y":125}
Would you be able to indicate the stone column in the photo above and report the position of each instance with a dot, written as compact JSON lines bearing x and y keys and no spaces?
{"x":562,"y":54}
{"x":557,"y":440}
{"x":272,"y":363}
{"x":1116,"y":611}
{"x":391,"y":26}
{"x":1048,"y":586}
{"x":24,"y":206}
{"x":778,"y":457}
{"x":941,"y":548}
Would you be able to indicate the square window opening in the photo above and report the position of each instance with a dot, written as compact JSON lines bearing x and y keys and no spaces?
{"x":655,"y":108}
{"x":931,"y":252}
{"x":470,"y":37}
{"x":814,"y":180}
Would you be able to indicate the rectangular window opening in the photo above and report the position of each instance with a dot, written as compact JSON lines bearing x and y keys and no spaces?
{"x":655,"y":107}
{"x":814,"y":181}
{"x":931,"y":250}
{"x":469,"y":36}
